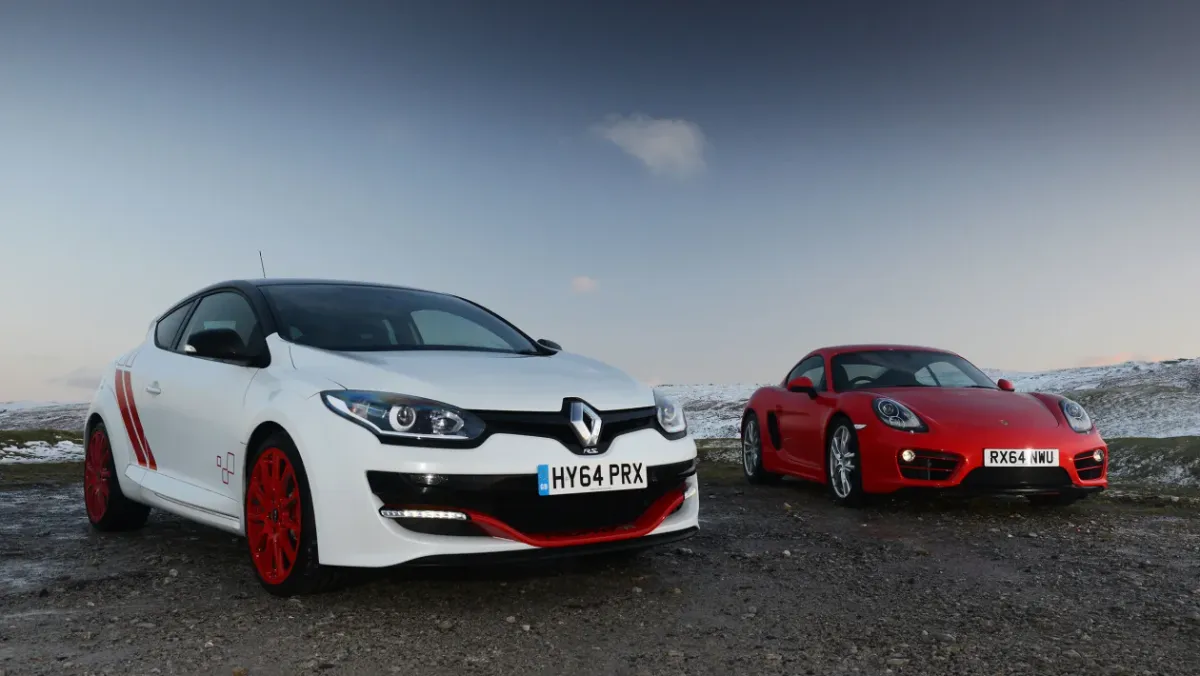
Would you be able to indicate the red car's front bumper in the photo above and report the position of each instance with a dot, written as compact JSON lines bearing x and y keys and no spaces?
{"x":953,"y":461}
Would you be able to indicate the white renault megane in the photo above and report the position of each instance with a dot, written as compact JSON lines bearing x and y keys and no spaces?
{"x":340,"y":424}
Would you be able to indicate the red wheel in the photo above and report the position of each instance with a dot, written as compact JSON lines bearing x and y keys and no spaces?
{"x":97,"y":458}
{"x":107,"y":507}
{"x":274,"y":516}
{"x":280,"y":527}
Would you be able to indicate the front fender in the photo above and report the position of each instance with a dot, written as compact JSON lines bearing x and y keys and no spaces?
{"x":105,"y":407}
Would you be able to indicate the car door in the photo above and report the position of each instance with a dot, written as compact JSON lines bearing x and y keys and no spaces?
{"x":800,"y":418}
{"x":202,"y":400}
{"x":135,"y":382}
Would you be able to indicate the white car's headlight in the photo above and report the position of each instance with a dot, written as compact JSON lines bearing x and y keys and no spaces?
{"x":670,"y":415}
{"x":894,"y":414}
{"x":404,"y":419}
{"x":1078,"y":418}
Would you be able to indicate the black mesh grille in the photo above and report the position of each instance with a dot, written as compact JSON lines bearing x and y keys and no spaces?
{"x":1087,"y":467}
{"x":1017,"y":477}
{"x":514,"y":499}
{"x":929,"y":466}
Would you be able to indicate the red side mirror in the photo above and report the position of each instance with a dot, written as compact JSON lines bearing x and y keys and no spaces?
{"x":1006,"y":385}
{"x":802,"y":384}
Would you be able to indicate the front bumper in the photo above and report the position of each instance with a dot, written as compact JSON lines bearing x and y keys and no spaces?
{"x":353,"y":477}
{"x":953,"y":463}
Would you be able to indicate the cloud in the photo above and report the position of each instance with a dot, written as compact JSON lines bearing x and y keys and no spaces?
{"x":583,"y":284}
{"x":666,"y":147}
{"x":85,"y":378}
{"x":1120,"y":358}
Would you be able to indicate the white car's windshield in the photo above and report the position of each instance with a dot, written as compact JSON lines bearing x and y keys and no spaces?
{"x":359,"y":318}
{"x":905,"y":368}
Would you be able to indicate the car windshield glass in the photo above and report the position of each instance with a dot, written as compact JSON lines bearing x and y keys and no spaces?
{"x":905,"y":368}
{"x":356,"y":318}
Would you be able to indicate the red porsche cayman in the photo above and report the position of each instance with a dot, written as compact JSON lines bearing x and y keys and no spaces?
{"x":874,"y":419}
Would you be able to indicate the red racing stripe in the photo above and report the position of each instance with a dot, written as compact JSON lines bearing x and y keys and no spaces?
{"x":122,"y":403}
{"x":137,"y":421}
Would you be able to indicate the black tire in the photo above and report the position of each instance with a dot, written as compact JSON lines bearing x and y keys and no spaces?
{"x":841,"y":451}
{"x":305,"y":575}
{"x":107,"y":508}
{"x":752,"y":454}
{"x":1058,"y":500}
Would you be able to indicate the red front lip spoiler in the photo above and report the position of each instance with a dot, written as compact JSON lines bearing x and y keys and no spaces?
{"x":649,"y":520}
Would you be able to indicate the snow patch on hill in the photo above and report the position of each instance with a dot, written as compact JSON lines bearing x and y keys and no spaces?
{"x":41,"y":451}
{"x":1134,"y":399}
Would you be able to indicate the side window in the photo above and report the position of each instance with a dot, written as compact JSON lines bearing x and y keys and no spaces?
{"x":168,"y":327}
{"x":224,"y":310}
{"x":813,"y":368}
{"x":443,"y":328}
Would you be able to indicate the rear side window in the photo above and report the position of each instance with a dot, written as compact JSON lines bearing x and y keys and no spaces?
{"x":168,"y":327}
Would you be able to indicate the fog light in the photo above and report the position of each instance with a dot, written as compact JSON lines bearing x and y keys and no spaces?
{"x":691,"y":490}
{"x":907,"y":455}
{"x":1098,"y":456}
{"x":421,"y":514}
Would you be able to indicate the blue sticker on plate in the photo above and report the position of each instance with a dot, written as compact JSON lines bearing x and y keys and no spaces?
{"x":543,"y":479}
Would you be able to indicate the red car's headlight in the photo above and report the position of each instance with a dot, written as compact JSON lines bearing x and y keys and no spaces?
{"x":896,"y":415}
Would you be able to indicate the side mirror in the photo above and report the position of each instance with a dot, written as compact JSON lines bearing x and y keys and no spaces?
{"x":1006,"y":385}
{"x":550,"y":344}
{"x":223,"y":344}
{"x":802,"y":384}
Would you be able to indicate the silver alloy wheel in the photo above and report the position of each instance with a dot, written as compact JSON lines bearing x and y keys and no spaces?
{"x":750,"y":447}
{"x":841,"y":462}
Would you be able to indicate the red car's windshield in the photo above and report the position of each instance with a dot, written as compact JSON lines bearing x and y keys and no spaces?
{"x":905,"y":368}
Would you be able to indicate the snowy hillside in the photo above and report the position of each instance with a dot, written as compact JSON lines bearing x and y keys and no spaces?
{"x":1134,"y":399}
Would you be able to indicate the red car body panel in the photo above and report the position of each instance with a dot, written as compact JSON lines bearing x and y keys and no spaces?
{"x":961,"y":423}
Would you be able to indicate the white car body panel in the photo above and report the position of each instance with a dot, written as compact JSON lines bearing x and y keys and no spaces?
{"x":197,"y":417}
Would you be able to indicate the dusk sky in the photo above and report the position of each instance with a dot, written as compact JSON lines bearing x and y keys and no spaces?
{"x":694,"y":192}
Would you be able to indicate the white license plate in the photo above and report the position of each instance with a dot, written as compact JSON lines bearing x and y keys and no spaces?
{"x":590,"y":477}
{"x":1020,"y":457}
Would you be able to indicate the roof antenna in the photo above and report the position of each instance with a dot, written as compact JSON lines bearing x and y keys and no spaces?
{"x":261,"y":264}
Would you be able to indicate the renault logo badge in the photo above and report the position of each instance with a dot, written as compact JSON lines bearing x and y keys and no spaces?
{"x":586,"y":423}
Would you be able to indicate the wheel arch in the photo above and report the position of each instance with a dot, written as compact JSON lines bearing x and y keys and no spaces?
{"x":93,"y":419}
{"x":260,"y":434}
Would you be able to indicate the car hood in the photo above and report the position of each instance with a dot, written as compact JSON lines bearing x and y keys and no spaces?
{"x":483,"y":381}
{"x":975,"y":408}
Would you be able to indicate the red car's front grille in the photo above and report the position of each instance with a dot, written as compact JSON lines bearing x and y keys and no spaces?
{"x":929,"y":465}
{"x":1087,"y":466}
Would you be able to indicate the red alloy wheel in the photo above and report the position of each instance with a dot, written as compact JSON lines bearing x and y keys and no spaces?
{"x":273,"y":516}
{"x":96,"y":475}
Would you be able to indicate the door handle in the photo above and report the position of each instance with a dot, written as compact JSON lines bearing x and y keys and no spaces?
{"x":153,"y":388}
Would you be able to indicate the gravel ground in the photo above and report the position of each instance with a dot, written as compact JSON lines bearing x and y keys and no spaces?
{"x":778,"y":581}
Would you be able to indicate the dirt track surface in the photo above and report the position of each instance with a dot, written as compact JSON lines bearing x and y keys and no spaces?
{"x":778,"y":581}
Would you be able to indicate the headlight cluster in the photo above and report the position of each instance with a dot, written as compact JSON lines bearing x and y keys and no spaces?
{"x":670,"y":415}
{"x":1077,"y":418}
{"x":897,"y":415}
{"x":404,"y":419}
{"x":400,"y":417}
